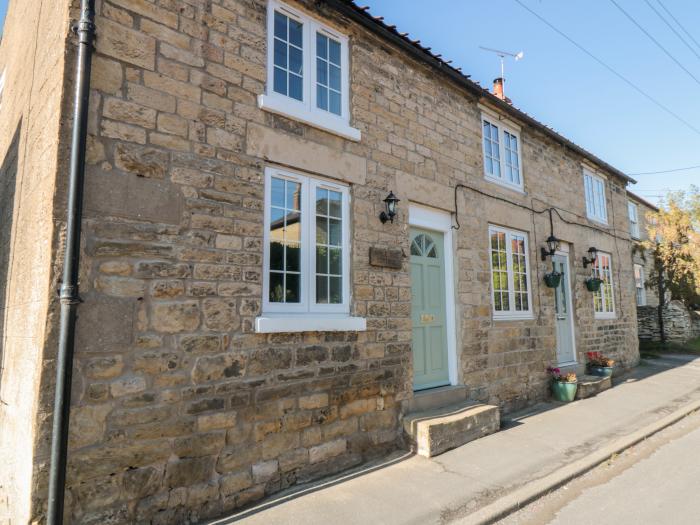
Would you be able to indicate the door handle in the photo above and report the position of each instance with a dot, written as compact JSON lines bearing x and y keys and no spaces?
{"x":561,"y":318}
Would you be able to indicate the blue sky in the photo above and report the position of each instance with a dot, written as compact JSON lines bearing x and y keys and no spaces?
{"x":562,"y":87}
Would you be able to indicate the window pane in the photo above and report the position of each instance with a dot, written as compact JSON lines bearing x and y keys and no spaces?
{"x":335,"y":204}
{"x":321,"y":46}
{"x":321,"y":259}
{"x":321,"y":201}
{"x":276,"y":256}
{"x":334,"y":77}
{"x":334,"y":232}
{"x":321,"y":289}
{"x":293,"y":288}
{"x":293,"y":192}
{"x":335,"y":291}
{"x":296,"y":88}
{"x":279,"y":83}
{"x":334,"y":52}
{"x":293,"y":257}
{"x":321,"y":72}
{"x":280,"y":25}
{"x":276,"y":287}
{"x":295,"y":33}
{"x":321,"y":230}
{"x":336,"y":261}
{"x":334,"y":102}
{"x":296,"y":63}
{"x":322,"y":97}
{"x":280,"y":54}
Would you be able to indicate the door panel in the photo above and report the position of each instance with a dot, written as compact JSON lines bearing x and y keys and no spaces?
{"x":430,"y":366}
{"x":562,"y":312}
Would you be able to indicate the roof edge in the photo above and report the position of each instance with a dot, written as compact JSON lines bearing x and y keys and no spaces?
{"x":643,"y":201}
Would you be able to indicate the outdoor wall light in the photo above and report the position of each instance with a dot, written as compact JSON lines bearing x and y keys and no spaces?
{"x":390,"y":212}
{"x":593,"y":254}
{"x":552,"y":247}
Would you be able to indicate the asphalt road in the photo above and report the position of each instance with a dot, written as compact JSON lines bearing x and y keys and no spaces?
{"x":656,"y":482}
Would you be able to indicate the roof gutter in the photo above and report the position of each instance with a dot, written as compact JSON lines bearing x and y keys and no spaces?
{"x":389,"y":33}
{"x":69,"y":298}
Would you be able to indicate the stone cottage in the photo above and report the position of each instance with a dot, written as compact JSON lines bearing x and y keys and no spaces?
{"x":256,"y":310}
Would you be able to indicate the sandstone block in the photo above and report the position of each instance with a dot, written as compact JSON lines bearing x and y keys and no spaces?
{"x":201,"y":344}
{"x":120,"y":287}
{"x":151,"y":98}
{"x":115,"y":268}
{"x":122,"y":110}
{"x":143,"y":161}
{"x":313,"y":401}
{"x":120,"y":131}
{"x":199,"y":445}
{"x":106,"y":75}
{"x":141,"y":482}
{"x":327,"y":451}
{"x":236,"y":482}
{"x":104,"y":367}
{"x":264,"y":471}
{"x":175,"y":317}
{"x":217,"y":421}
{"x":126,"y":44}
{"x":127,"y":385}
{"x":87,"y":424}
{"x":214,"y":368}
{"x":189,"y":471}
{"x":220,"y":314}
{"x":167,"y":289}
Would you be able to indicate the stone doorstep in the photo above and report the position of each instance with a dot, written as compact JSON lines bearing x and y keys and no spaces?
{"x":589,"y":386}
{"x":436,"y":397}
{"x":438,"y":430}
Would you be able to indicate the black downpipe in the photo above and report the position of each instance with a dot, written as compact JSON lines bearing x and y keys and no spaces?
{"x":69,"y":298}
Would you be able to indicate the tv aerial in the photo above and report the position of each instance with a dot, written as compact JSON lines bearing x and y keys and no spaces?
{"x":503,"y":54}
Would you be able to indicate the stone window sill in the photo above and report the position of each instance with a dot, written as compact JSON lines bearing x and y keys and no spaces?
{"x":318,"y":119}
{"x":269,"y":324}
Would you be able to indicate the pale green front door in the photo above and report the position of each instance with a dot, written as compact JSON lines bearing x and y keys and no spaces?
{"x":562,"y":311}
{"x":430,"y":368}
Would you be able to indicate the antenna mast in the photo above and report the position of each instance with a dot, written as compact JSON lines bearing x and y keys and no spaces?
{"x":503,"y":54}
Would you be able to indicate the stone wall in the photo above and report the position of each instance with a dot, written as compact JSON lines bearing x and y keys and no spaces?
{"x":32,"y":57}
{"x":680,"y":324}
{"x":180,"y":410}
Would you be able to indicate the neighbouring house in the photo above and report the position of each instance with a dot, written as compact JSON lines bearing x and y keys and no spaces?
{"x":680,"y":322}
{"x":248,"y":321}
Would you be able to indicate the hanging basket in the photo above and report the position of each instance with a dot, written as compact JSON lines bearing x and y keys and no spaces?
{"x":552,"y":279}
{"x":593,"y":284}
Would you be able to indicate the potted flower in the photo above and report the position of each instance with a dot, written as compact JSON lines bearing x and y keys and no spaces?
{"x":552,"y":279}
{"x":563,"y":385}
{"x":599,"y":365}
{"x":593,"y":284}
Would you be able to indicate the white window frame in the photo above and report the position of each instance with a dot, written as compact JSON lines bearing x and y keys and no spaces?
{"x":596,"y":203}
{"x":606,"y":313}
{"x":503,"y":127}
{"x":510,"y":314}
{"x":307,"y":314}
{"x":633,"y":215}
{"x":640,"y":291}
{"x":306,"y":110}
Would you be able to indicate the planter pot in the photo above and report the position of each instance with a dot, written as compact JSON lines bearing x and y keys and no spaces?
{"x":593,"y":284}
{"x":601,"y":371}
{"x":564,"y":391}
{"x":552,"y":279}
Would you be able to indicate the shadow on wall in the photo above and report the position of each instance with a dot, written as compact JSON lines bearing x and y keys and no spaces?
{"x":8,"y":181}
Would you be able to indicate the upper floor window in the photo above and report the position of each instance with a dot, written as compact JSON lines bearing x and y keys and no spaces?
{"x":639,"y":285}
{"x":307,"y":71}
{"x":306,"y":258}
{"x":596,"y":205}
{"x":510,"y":280}
{"x":603,"y":300}
{"x":633,"y":214}
{"x":501,"y":146}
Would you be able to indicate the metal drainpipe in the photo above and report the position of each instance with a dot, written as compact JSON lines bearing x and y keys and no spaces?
{"x":85,"y":30}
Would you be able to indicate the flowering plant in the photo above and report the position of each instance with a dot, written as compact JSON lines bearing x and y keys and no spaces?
{"x":598,"y":359}
{"x":556,"y":374}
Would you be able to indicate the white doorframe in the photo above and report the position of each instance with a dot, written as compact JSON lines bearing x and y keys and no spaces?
{"x":563,"y":251}
{"x":440,"y":221}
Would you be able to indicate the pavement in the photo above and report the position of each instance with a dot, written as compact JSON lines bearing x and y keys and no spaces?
{"x":534,"y":453}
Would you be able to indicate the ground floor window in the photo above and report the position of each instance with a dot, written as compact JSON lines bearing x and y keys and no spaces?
{"x":510,"y":281}
{"x":603,"y":301}
{"x":307,"y":259}
{"x":639,"y":285}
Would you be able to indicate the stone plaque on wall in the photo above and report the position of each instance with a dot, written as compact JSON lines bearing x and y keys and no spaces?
{"x":391,"y":257}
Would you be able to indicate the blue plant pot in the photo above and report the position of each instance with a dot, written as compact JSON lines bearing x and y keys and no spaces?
{"x":601,"y":371}
{"x":564,"y":391}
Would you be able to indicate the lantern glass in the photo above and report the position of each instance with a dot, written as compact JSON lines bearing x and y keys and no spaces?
{"x":552,"y":244}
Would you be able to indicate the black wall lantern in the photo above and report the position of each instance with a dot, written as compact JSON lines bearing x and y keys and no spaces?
{"x":593,"y":254}
{"x":390,"y":212}
{"x":552,"y":247}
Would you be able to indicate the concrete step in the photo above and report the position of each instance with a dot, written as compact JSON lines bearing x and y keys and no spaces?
{"x":438,"y":430}
{"x":588,"y":386}
{"x":437,"y":397}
